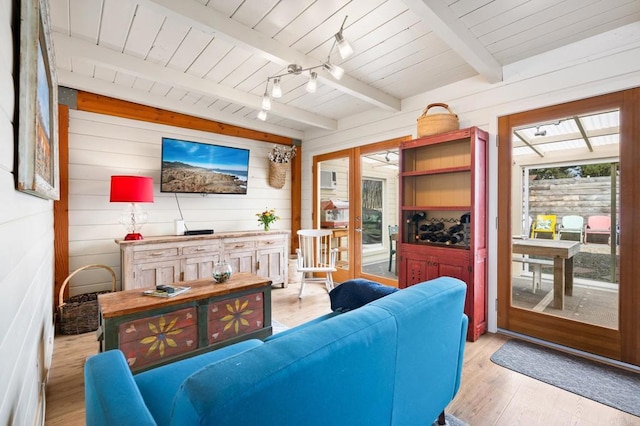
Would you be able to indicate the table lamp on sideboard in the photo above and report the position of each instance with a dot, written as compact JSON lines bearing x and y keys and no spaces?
{"x":132,"y":190}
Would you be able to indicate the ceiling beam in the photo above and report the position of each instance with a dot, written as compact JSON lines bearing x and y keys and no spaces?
{"x":118,"y":61}
{"x":527,"y":143}
{"x":583,"y":132}
{"x":93,"y":85}
{"x":454,"y":33}
{"x":209,"y":20}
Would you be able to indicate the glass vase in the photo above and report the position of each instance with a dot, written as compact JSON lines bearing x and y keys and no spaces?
{"x":221,"y":272}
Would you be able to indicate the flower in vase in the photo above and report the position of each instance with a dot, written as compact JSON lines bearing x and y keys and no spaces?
{"x":267,"y":217}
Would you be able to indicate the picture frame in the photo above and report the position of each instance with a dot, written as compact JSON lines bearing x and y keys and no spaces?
{"x":37,"y":100}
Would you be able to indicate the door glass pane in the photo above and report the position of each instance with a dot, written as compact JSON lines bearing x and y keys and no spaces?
{"x":334,"y":205}
{"x":379,"y":189}
{"x":566,"y":192}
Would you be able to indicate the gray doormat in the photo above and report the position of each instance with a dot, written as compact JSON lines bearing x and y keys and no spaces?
{"x":603,"y":383}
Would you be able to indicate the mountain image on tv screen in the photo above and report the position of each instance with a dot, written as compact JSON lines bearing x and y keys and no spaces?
{"x":203,"y":168}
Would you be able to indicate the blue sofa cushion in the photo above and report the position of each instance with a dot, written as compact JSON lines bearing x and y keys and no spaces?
{"x":357,"y":292}
{"x":160,"y":385}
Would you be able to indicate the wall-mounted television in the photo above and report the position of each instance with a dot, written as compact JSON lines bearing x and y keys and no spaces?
{"x":195,"y":167}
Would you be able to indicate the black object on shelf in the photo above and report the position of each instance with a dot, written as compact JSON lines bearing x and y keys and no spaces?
{"x":198,"y":232}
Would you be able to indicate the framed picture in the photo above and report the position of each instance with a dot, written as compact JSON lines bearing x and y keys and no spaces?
{"x":38,"y":156}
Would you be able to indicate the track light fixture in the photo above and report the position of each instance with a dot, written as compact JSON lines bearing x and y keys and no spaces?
{"x":336,"y":72}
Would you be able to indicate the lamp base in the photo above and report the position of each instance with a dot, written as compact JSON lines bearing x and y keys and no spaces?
{"x":133,"y":236}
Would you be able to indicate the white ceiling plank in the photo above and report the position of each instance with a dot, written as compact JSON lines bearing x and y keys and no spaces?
{"x":144,"y":29}
{"x":211,"y":20}
{"x":59,"y":13}
{"x":281,"y":16}
{"x":191,"y":48}
{"x":84,"y":18}
{"x":232,"y":60}
{"x":124,"y":79}
{"x":169,"y":38}
{"x":456,"y":34}
{"x":215,"y":51}
{"x":105,"y":74}
{"x":80,"y":82}
{"x":251,"y":14}
{"x":117,"y":17}
{"x":125,"y":63}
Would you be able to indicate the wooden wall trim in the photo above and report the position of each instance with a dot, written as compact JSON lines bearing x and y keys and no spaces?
{"x":61,"y":208}
{"x":92,"y":102}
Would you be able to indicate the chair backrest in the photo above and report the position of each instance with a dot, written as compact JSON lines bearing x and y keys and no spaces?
{"x":314,"y":247}
{"x":599,"y":222}
{"x":572,"y":222}
{"x":545,"y":223}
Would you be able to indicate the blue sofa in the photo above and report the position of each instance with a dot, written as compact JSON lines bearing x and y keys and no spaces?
{"x":395,"y":361}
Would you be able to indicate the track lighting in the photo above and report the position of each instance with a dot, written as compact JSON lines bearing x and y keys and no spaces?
{"x":336,"y":72}
{"x":539,"y":132}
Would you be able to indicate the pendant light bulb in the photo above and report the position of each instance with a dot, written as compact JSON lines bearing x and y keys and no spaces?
{"x":276,"y":91}
{"x":312,"y":84}
{"x":334,"y":70}
{"x":344,"y":47}
{"x":262,"y":115}
{"x":266,"y":102}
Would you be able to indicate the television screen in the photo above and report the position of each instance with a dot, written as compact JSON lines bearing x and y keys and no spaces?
{"x":202,"y":168}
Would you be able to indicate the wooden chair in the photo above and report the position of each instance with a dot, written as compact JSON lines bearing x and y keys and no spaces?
{"x":572,"y":225}
{"x":600,"y":225}
{"x":393,"y":243}
{"x":544,"y":224}
{"x":316,"y":256}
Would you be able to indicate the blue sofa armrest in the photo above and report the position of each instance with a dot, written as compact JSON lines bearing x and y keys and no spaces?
{"x":463,"y":341}
{"x":111,"y":394}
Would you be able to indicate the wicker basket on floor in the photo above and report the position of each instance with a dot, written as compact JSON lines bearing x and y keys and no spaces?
{"x":79,"y":314}
{"x":431,"y":124}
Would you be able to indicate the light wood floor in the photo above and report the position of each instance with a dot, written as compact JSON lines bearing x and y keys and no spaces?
{"x":489,"y":395}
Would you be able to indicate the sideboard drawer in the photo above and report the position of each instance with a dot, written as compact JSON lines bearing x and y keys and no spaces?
{"x":271,"y":242}
{"x":201,"y":249}
{"x":156,"y":254}
{"x":234,"y":245}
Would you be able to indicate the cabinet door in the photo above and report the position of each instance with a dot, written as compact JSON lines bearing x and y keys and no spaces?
{"x":154,"y":273}
{"x":271,"y":264}
{"x":451,"y":267}
{"x":195,"y":268}
{"x":242,"y":261}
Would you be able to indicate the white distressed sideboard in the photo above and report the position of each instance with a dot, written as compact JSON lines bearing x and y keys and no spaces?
{"x":169,"y":259}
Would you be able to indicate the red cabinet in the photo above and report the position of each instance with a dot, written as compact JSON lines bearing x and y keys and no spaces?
{"x":443,"y":202}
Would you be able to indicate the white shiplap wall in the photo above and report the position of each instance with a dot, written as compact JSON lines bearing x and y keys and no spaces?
{"x":101,"y":146}
{"x":26,"y":268}
{"x":606,"y":63}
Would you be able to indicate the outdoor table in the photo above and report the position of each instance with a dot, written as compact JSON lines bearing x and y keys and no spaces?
{"x":562,"y":253}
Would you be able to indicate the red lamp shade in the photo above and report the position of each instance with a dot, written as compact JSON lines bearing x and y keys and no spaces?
{"x":131,"y":189}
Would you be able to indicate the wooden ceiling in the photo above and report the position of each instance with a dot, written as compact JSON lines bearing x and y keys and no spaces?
{"x":211,"y":58}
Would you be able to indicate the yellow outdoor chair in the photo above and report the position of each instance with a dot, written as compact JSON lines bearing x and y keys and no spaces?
{"x":544,"y":224}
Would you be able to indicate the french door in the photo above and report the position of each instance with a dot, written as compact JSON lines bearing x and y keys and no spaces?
{"x":537,"y":190}
{"x":356,"y":196}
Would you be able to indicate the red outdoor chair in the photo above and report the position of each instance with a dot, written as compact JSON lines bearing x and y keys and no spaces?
{"x":600,"y":225}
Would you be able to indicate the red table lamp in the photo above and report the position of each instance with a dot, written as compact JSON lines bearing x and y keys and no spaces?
{"x":132,"y":190}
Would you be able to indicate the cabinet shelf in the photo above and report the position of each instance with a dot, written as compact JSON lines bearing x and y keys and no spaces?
{"x":437,"y":171}
{"x":443,"y":186}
